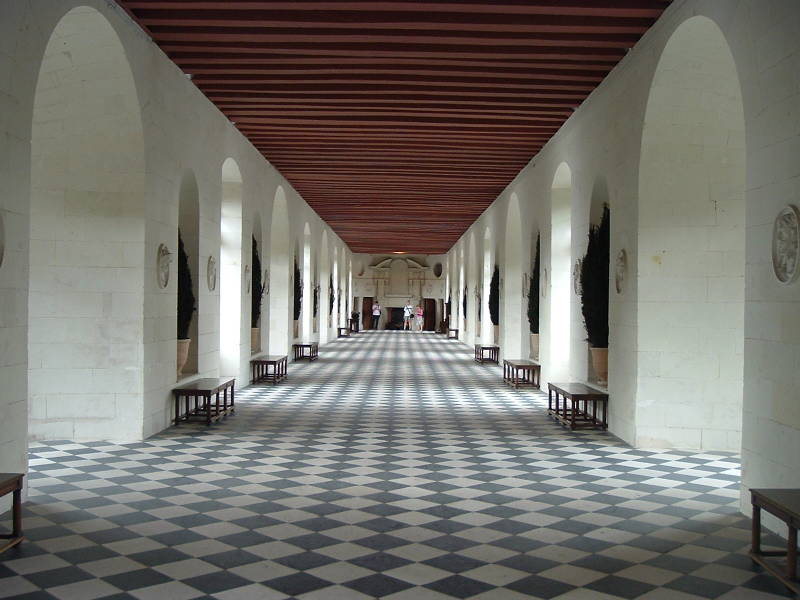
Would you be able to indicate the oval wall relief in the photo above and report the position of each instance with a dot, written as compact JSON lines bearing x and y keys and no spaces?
{"x":786,"y":244}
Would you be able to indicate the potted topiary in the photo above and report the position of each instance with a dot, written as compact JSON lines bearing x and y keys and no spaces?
{"x":186,"y":307}
{"x":331,"y":296}
{"x":533,"y":303}
{"x":315,"y":304}
{"x":594,"y":294}
{"x":256,"y":299}
{"x":298,"y":298}
{"x":494,"y":302}
{"x":464,"y":308}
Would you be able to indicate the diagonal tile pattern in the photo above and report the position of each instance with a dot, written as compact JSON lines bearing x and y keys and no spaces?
{"x":394,"y":467}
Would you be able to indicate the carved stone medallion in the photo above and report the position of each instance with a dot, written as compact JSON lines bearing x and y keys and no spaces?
{"x":620,"y":270}
{"x":786,"y":244}
{"x":211,"y":274}
{"x":163,"y":259}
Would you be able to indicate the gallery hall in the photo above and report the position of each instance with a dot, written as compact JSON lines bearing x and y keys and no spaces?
{"x":399,"y":299}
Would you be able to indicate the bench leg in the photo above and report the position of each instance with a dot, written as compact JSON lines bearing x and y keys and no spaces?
{"x":755,"y":533}
{"x":17,"y":510}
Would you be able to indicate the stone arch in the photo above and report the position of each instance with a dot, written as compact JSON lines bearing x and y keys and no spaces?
{"x":231,"y":285}
{"x":323,"y":260}
{"x":487,"y":259}
{"x":87,"y":237}
{"x":691,"y":260}
{"x":335,"y":317}
{"x":257,"y":241}
{"x":514,"y":324}
{"x":472,"y":332}
{"x":189,"y":229}
{"x":280,"y":309}
{"x":559,"y":278}
{"x":306,"y":268}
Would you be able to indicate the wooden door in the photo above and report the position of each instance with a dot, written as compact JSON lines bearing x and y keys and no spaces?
{"x":366,"y":312}
{"x":429,"y":307}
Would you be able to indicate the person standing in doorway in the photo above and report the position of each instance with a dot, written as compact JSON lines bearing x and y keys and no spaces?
{"x":418,"y":314}
{"x":408,"y":316}
{"x":376,"y":314}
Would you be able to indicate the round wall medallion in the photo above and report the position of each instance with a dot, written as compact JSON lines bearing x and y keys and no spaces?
{"x":211,"y":274}
{"x":620,"y":270}
{"x":576,"y":277}
{"x":163,"y":258}
{"x":437,"y":270}
{"x":786,"y":244}
{"x":2,"y":239}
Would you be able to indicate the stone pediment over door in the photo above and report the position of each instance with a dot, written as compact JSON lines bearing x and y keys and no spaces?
{"x":402,"y":276}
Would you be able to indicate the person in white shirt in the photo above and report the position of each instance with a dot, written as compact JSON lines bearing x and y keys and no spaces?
{"x":408,"y":316}
{"x":376,"y":314}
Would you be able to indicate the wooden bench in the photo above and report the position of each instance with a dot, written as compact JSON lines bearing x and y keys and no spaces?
{"x":521,"y":372}
{"x":569,"y":412}
{"x":198,"y":405}
{"x":309,"y":350}
{"x":272,"y":368}
{"x":784,"y":504}
{"x":11,"y":483}
{"x":487,"y":353}
{"x":343,"y":332}
{"x":452,"y":334}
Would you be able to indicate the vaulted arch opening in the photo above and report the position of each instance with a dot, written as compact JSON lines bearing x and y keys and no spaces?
{"x":279,"y":260}
{"x":691,"y":246}
{"x":557,"y":364}
{"x":230,"y":280}
{"x":87,"y":245}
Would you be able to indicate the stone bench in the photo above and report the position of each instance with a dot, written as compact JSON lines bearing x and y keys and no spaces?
{"x":582,"y":407}
{"x":487,"y":353}
{"x":306,"y":350}
{"x":271,"y":368}
{"x":198,"y":405}
{"x":11,"y":483}
{"x":521,"y":372}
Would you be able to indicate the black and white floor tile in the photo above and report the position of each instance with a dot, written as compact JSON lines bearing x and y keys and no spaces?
{"x":393,"y":467}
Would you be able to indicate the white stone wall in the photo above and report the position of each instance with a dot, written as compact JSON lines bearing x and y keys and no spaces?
{"x":603,"y":138}
{"x":127,"y":387}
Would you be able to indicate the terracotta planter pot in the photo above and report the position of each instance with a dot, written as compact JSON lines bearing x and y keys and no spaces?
{"x":182,"y":356}
{"x":535,"y":346}
{"x":255,"y":340}
{"x":600,"y":364}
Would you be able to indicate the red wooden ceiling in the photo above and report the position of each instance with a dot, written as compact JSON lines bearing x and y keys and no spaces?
{"x":399,"y":122}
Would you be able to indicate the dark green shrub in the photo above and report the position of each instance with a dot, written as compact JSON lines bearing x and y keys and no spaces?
{"x":257,"y":291}
{"x":594,"y":282}
{"x":186,"y":299}
{"x":533,"y":297}
{"x":494,"y":297}
{"x":298,"y":292}
{"x":331,"y":296}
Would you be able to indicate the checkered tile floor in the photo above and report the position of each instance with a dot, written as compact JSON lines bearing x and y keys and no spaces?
{"x":394,"y":467}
